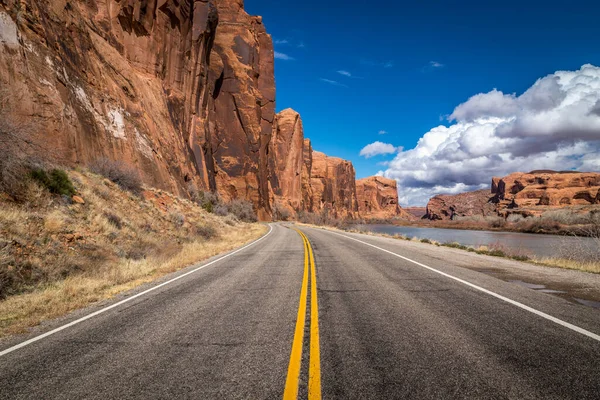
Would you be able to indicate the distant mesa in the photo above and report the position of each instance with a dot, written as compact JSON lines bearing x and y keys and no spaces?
{"x":527,"y":194}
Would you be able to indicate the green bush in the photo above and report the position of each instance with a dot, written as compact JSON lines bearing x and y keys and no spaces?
{"x":56,"y":181}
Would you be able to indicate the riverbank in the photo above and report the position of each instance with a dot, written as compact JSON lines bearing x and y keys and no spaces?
{"x":567,"y":261}
{"x":556,"y":222}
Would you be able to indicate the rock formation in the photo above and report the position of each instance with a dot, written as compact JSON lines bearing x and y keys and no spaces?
{"x":182,"y":90}
{"x":378,"y":198}
{"x":547,"y":188}
{"x":448,"y":207}
{"x":333,"y":186}
{"x":527,"y":194}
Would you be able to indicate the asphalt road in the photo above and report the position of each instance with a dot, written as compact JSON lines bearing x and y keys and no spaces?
{"x":389,"y":328}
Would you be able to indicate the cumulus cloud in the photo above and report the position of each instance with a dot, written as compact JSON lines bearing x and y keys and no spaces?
{"x":435,"y":64}
{"x":378,"y":148}
{"x":382,"y":132}
{"x":282,"y":56}
{"x":555,"y":125}
{"x":332,"y":82}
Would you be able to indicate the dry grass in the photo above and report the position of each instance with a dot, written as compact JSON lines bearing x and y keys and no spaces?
{"x":586,"y":266}
{"x":58,"y":257}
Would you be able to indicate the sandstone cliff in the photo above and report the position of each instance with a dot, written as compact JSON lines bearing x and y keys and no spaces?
{"x":447,"y":207}
{"x":182,"y":90}
{"x":378,"y":198}
{"x":523,"y":193}
{"x":547,"y":188}
{"x":153,"y":83}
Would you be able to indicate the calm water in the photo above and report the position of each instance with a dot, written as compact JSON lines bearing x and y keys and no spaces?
{"x":511,"y":242}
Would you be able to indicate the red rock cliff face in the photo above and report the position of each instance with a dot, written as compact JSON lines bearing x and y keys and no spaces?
{"x":547,"y":188}
{"x":126,"y":80}
{"x":522,"y":193}
{"x":183,"y":90}
{"x":333,"y":186}
{"x":447,"y":207}
{"x":377,"y":198}
{"x":286,"y":157}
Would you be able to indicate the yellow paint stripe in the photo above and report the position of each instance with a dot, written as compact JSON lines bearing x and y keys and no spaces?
{"x":314,"y":368}
{"x":291,"y":384}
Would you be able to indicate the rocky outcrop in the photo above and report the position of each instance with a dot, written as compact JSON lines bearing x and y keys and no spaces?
{"x":286,"y":161}
{"x":449,"y":207}
{"x":527,"y":194}
{"x":547,"y":188}
{"x":332,"y":186}
{"x":153,"y":83}
{"x":378,"y":198}
{"x":182,"y":90}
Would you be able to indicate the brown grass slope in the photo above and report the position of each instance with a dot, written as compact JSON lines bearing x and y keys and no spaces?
{"x":58,"y":255}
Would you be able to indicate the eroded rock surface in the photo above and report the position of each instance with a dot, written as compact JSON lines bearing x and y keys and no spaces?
{"x":378,"y":198}
{"x":448,"y":207}
{"x":547,"y":188}
{"x":528,"y":194}
{"x":182,"y":90}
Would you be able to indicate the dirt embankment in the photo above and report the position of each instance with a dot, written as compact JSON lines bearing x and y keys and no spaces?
{"x":59,"y":253}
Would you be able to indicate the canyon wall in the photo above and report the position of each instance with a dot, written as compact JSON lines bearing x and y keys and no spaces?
{"x":378,"y":198}
{"x":528,"y":194}
{"x":182,"y":90}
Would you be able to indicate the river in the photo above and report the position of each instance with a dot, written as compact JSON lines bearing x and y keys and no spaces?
{"x":514,"y":243}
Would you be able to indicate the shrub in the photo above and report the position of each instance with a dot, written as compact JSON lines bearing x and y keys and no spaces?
{"x":425,"y":240}
{"x":56,"y":181}
{"x":114,"y":220}
{"x":178,"y":219}
{"x":243,"y":210}
{"x":514,"y":218}
{"x":280,"y":213}
{"x":495,"y":222}
{"x":207,"y":200}
{"x":221,"y":210}
{"x":206,"y":231}
{"x":127,"y":177}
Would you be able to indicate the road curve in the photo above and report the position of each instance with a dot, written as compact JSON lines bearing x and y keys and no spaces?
{"x":419,"y":327}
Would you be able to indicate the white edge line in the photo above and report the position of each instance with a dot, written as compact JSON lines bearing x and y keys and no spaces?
{"x":105,"y":309}
{"x":496,"y":295}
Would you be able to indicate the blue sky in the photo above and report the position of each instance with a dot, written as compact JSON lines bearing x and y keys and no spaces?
{"x":408,"y":66}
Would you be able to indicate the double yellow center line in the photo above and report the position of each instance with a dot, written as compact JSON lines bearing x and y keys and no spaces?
{"x":314,"y":363}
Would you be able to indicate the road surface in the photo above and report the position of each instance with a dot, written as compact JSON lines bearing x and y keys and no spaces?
{"x":382,"y":327}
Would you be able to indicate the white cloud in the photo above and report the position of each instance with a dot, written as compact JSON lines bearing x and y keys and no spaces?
{"x":382,"y":132}
{"x":555,"y":125}
{"x":435,"y":64}
{"x":345,"y":73}
{"x":301,"y":45}
{"x":332,"y":82}
{"x":378,"y":148}
{"x":281,"y":41}
{"x":283,"y":56}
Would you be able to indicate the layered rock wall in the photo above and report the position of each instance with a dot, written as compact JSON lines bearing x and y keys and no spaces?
{"x":182,"y":90}
{"x":448,"y":207}
{"x":547,"y":188}
{"x":378,"y":198}
{"x":527,"y":194}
